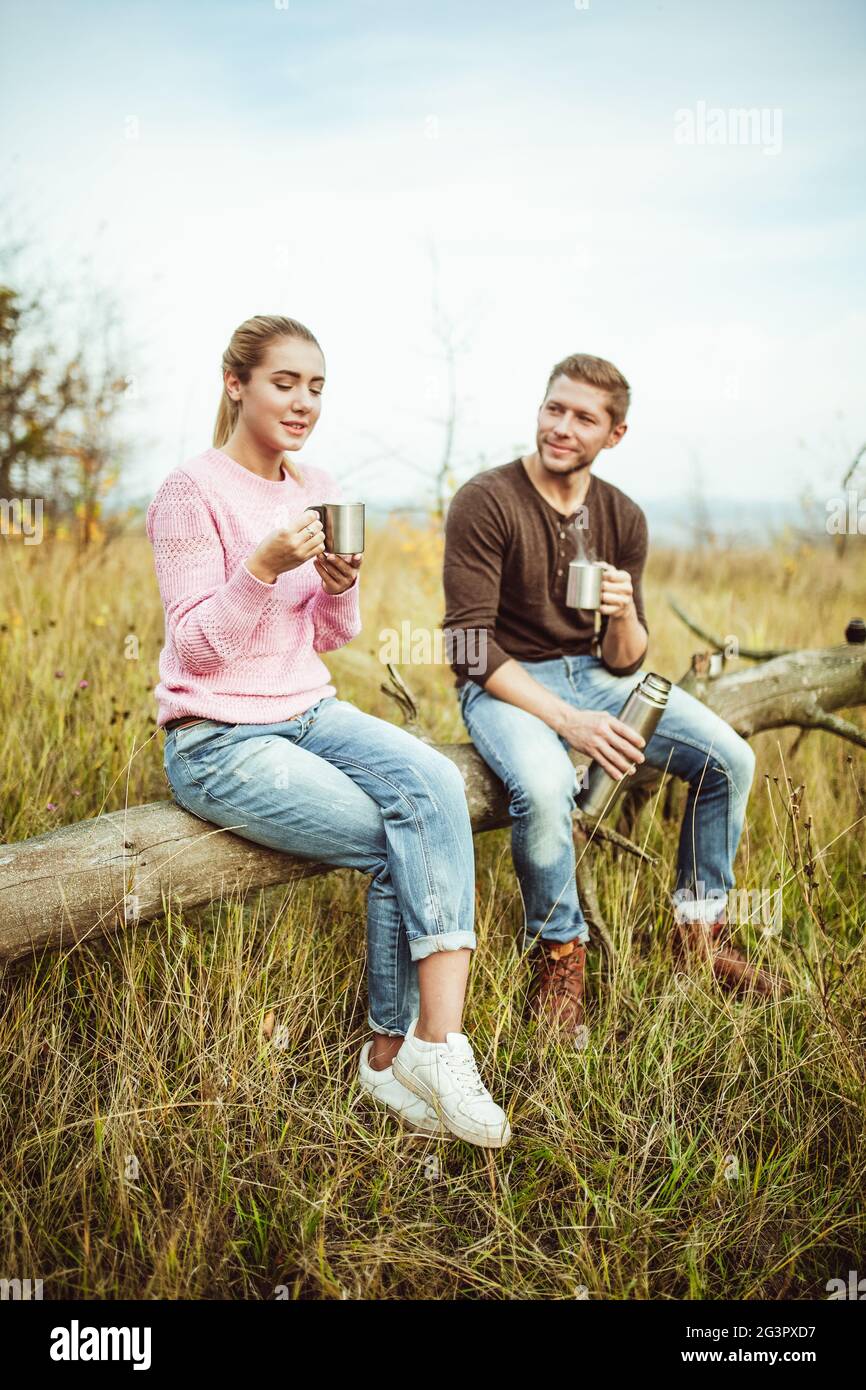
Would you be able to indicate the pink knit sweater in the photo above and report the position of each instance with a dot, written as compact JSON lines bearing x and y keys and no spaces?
{"x":238,"y":649}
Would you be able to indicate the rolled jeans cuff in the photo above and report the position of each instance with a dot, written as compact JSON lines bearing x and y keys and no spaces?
{"x":385,"y":1032}
{"x":561,"y":939}
{"x":422,"y":946}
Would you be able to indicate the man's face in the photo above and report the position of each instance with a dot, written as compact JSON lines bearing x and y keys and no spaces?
{"x":574,"y":426}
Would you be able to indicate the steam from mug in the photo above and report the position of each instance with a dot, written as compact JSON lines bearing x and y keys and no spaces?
{"x":343,"y":525}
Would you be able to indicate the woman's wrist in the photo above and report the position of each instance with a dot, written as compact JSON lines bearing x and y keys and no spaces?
{"x":258,"y":571}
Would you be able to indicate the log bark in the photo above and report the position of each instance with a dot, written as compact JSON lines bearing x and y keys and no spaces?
{"x":92,"y":877}
{"x":801,"y":688}
{"x":61,"y":888}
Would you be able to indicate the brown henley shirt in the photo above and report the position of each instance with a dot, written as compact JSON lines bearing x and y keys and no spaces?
{"x":507,"y":551}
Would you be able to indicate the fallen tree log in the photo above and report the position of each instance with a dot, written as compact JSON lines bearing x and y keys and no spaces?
{"x":92,"y":877}
{"x":793,"y":688}
{"x":66,"y":886}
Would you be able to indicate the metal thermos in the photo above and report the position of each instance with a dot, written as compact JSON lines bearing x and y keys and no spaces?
{"x":642,"y":711}
{"x":343,"y":525}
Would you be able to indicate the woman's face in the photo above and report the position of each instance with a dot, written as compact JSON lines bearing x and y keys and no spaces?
{"x":283,"y":398}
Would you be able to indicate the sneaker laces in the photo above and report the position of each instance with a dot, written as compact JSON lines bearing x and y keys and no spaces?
{"x":464,"y":1069}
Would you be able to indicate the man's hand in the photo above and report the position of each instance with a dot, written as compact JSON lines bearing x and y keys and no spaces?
{"x":614,"y":745}
{"x":338,"y":572}
{"x":609,"y":742}
{"x":625,"y":638}
{"x":617,"y":593}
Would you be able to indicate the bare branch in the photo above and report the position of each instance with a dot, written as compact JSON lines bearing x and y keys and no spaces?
{"x":753,"y":653}
{"x":853,"y":469}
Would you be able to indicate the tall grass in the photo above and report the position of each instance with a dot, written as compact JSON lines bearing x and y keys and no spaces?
{"x":180,"y":1113}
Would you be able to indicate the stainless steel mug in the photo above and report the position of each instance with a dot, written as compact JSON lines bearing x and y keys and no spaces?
{"x":642,"y":711}
{"x":584,"y":584}
{"x":343,"y":525}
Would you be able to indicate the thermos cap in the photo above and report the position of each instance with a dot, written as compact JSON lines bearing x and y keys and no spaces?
{"x":656,"y":688}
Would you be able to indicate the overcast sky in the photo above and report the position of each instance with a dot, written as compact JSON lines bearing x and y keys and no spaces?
{"x":239,"y":156}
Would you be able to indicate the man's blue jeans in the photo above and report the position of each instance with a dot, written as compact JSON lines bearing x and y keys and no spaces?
{"x":341,"y":787}
{"x":690,"y":741}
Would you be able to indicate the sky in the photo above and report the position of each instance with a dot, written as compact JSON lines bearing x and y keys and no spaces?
{"x":560,"y":177}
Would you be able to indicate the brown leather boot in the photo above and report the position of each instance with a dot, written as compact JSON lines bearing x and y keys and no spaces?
{"x":556,"y":992}
{"x":694,"y":940}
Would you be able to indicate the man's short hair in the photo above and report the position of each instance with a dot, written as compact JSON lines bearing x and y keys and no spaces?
{"x":596,"y":371}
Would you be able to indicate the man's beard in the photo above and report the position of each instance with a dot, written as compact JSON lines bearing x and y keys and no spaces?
{"x":558,"y":473}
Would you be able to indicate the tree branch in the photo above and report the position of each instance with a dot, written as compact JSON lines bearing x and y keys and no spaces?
{"x":753,"y":653}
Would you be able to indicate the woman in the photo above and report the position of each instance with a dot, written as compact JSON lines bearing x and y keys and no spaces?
{"x":257,"y":740}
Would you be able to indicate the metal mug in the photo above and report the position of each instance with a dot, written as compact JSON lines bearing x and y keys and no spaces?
{"x":343,"y":525}
{"x":584,"y":583}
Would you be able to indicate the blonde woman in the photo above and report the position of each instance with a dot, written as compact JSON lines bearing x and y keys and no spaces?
{"x":257,"y":739}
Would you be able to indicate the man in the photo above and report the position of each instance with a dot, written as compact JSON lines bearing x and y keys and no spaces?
{"x":546,"y":681}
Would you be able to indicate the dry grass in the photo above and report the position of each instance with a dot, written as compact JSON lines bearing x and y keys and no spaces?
{"x":156,"y":1142}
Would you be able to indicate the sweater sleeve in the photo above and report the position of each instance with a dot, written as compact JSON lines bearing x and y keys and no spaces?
{"x":210,"y":619}
{"x":336,"y":617}
{"x":475,"y":546}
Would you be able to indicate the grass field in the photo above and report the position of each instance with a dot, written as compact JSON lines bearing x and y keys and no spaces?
{"x":180,"y":1115}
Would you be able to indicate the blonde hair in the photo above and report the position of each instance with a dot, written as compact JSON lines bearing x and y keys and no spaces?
{"x":247,"y":347}
{"x":596,"y":371}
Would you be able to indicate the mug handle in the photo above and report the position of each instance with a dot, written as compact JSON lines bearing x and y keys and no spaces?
{"x":319,"y":509}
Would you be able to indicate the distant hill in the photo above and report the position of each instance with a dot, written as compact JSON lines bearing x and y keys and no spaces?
{"x":671,"y":521}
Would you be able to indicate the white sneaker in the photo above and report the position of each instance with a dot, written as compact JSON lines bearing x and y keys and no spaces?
{"x":385,"y":1089}
{"x":445,"y":1075}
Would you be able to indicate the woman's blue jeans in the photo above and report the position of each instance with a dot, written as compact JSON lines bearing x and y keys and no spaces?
{"x":689,"y":741}
{"x":341,"y":787}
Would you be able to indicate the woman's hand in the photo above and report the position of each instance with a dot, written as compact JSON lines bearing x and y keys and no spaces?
{"x":287,"y":547}
{"x":338,"y":572}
